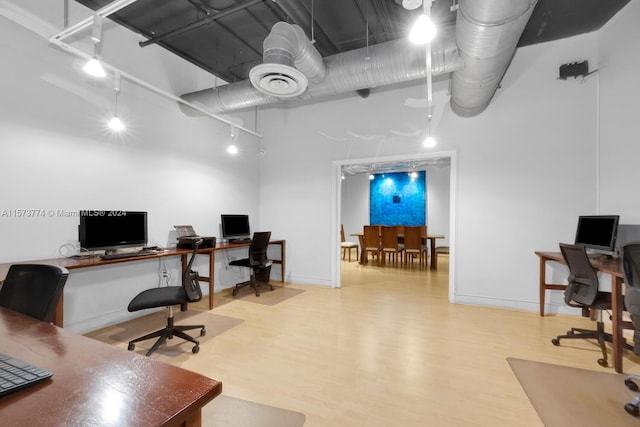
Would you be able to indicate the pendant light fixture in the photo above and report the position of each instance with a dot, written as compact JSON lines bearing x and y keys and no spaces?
{"x":423,"y":31}
{"x":115,"y":123}
{"x":232,"y":148}
{"x":429,"y":141}
{"x":93,"y":67}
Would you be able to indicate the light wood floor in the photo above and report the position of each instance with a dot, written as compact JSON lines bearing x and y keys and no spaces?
{"x":387,"y":349}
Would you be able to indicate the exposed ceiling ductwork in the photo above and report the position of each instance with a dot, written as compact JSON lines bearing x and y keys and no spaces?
{"x":383,"y":64}
{"x":477,"y":53}
{"x":487,"y":33}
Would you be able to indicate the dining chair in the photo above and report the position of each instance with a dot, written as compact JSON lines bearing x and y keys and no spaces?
{"x":425,"y":242}
{"x":400,"y":230}
{"x":372,"y":243}
{"x":347,"y":246}
{"x":413,"y":245}
{"x":390,"y":245}
{"x":442,"y":250}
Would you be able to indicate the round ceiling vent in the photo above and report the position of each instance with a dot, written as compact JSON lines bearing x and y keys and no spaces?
{"x":278,"y":80}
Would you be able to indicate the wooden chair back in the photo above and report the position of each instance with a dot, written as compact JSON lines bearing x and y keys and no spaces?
{"x":371,"y":238}
{"x":413,"y":239}
{"x":389,"y":237}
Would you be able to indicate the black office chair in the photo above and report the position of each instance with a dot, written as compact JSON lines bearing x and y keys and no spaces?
{"x":258,"y":262}
{"x":33,"y":289}
{"x":631,"y":272}
{"x":582,"y":291}
{"x":168,"y":296}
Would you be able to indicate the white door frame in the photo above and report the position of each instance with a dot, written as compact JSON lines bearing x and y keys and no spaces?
{"x":336,"y":191}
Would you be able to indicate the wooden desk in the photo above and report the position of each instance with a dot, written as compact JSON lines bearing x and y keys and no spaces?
{"x":603,"y":265}
{"x":211,"y":252}
{"x":77,"y":263}
{"x":96,"y":384}
{"x":432,"y":247}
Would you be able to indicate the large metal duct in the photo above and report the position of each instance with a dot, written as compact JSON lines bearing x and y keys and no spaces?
{"x":289,"y":61}
{"x":477,"y":53}
{"x":379,"y":65}
{"x":487,"y":33}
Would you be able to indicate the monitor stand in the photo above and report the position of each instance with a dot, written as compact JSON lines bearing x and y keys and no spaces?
{"x":240,"y":240}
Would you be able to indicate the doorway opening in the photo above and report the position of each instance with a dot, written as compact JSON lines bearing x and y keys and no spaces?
{"x":392,"y":162}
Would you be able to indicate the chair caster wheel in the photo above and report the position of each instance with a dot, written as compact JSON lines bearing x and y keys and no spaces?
{"x":603,"y":363}
{"x":555,"y":342}
{"x":570,"y":333}
{"x":632,"y":409}
{"x":195,"y":349}
{"x":631,"y":385}
{"x":203,"y":332}
{"x":133,"y":346}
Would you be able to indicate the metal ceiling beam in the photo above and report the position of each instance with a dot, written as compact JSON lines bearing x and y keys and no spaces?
{"x":204,"y":21}
{"x":109,"y":9}
{"x":381,"y":8}
{"x":301,"y":17}
{"x":365,"y":19}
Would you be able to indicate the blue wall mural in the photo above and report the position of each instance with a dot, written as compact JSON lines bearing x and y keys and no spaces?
{"x":397,"y":199}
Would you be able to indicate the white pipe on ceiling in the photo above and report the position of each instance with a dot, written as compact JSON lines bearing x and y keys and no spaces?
{"x":111,"y":8}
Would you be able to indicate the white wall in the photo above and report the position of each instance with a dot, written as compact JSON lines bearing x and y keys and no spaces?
{"x":619,"y":68}
{"x":438,"y":198}
{"x":355,"y":204}
{"x":525,"y":170}
{"x":58,"y":155}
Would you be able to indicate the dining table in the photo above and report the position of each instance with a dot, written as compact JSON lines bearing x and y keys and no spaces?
{"x":431,"y":238}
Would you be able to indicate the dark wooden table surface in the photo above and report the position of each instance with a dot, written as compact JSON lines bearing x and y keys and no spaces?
{"x":95,"y":384}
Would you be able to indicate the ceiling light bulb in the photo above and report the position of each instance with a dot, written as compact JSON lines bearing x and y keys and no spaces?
{"x":423,"y":31}
{"x":232,"y":149}
{"x":429,"y":142}
{"x":371,"y":176}
{"x":94,"y":67}
{"x":116,"y":124}
{"x":413,"y":174}
{"x":411,"y":4}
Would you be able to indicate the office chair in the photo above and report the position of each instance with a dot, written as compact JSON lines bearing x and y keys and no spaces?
{"x":582,"y":291}
{"x":168,"y":296}
{"x":33,"y":289}
{"x":347,"y":246}
{"x":258,"y":262}
{"x":631,"y":273}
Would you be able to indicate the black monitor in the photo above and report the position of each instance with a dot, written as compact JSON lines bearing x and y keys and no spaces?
{"x":235,"y":227}
{"x":112,"y":229}
{"x":598,"y":232}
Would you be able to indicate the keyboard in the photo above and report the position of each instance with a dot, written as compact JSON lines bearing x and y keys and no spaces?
{"x":16,"y":374}
{"x":128,"y":254}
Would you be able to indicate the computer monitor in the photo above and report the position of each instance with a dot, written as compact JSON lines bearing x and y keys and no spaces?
{"x":111,"y":230}
{"x":598,"y":232}
{"x":235,"y":227}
